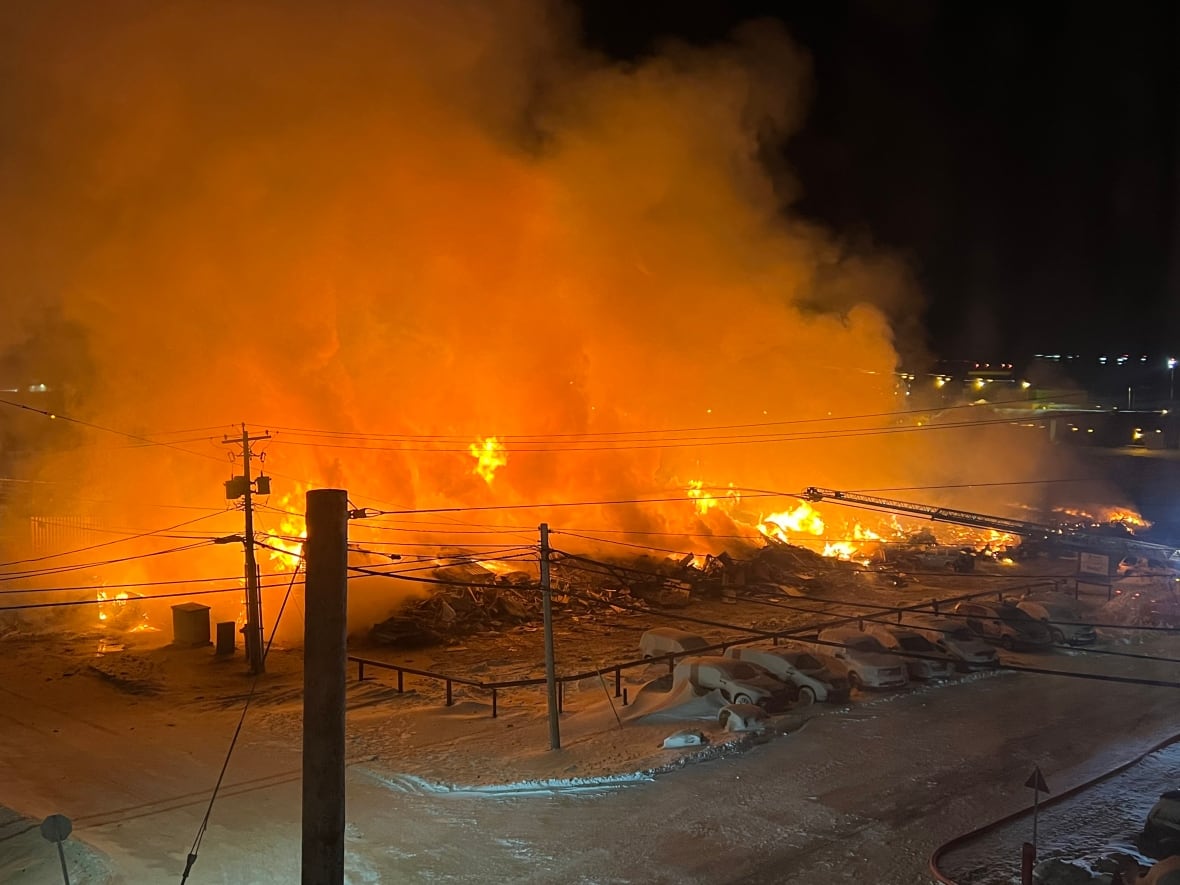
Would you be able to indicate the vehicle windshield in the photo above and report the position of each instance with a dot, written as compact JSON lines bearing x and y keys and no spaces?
{"x":1017,"y":617}
{"x":915,"y":643}
{"x":962,"y":634}
{"x":805,"y":661}
{"x":866,"y":643}
{"x":740,"y":670}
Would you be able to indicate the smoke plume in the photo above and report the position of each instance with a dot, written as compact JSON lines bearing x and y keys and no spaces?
{"x":416,"y":225}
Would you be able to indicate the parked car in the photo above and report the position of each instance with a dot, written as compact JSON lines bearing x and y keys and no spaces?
{"x":928,"y":661}
{"x":1145,"y":565}
{"x":956,"y":639}
{"x":1005,"y":625}
{"x":739,"y":682}
{"x":1161,"y":831}
{"x":794,"y":664}
{"x":668,"y":640}
{"x":869,"y":663}
{"x":1064,"y":619}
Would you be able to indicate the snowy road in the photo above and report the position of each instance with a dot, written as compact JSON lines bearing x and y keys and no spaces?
{"x":1100,"y":820}
{"x":862,"y":794}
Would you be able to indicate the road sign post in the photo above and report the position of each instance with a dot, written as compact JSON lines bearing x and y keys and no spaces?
{"x":57,"y":828}
{"x":1036,"y":783}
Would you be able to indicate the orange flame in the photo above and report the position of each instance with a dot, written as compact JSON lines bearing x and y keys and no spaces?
{"x":108,"y":605}
{"x":286,"y":542}
{"x":489,"y":455}
{"x":840,"y":549}
{"x":706,"y":501}
{"x":803,"y":519}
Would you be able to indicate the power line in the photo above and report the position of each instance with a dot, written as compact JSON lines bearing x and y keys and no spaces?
{"x":629,"y":433}
{"x":1073,"y":674}
{"x":116,"y":586}
{"x":683,"y":500}
{"x":64,"y":603}
{"x":917,"y":608}
{"x":109,"y":543}
{"x":191,"y":858}
{"x":55,"y":416}
{"x":622,"y":446}
{"x":57,"y":570}
{"x":264,"y":585}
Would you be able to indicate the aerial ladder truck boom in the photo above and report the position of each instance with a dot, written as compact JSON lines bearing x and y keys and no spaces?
{"x":937,"y":514}
{"x":1072,"y":537}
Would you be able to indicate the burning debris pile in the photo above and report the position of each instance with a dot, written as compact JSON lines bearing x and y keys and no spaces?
{"x":458,"y":610}
{"x":470,"y":597}
{"x":473,"y":596}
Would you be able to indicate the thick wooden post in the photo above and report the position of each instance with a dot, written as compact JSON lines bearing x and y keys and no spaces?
{"x":325,"y":660}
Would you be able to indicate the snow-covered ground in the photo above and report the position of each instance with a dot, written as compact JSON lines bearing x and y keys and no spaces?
{"x":129,"y":744}
{"x":1098,"y":822}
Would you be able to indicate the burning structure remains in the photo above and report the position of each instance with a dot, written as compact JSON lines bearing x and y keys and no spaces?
{"x":490,"y":265}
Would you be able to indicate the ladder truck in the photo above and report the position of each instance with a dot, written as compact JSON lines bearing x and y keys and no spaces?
{"x":1047,"y":537}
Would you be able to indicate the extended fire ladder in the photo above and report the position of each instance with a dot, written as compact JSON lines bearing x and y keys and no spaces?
{"x":1069,"y":536}
{"x":938,"y":514}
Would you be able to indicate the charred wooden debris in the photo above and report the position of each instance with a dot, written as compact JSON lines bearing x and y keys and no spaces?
{"x":469,"y":597}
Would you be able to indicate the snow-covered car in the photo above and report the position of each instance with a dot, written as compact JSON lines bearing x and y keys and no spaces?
{"x":956,"y":639}
{"x":1145,"y":565}
{"x":794,"y":664}
{"x":1161,"y":830}
{"x":1065,"y":620}
{"x":668,"y":640}
{"x":738,"y":682}
{"x":923,"y":659}
{"x":742,"y":717}
{"x":870,"y":665}
{"x":1005,"y":625}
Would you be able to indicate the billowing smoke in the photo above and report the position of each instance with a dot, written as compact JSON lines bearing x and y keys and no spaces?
{"x":420,"y":224}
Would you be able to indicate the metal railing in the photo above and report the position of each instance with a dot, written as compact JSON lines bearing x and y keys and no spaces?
{"x":616,"y":670}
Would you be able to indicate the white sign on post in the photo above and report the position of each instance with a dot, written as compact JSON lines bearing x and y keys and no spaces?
{"x":1094,"y":564}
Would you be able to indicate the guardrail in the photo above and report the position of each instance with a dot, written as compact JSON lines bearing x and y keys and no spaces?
{"x":616,"y":670}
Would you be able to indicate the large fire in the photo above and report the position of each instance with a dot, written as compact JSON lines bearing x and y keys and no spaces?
{"x":448,"y":218}
{"x":1108,"y":515}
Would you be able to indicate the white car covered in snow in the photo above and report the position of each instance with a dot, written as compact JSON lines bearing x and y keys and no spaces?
{"x":870,"y":665}
{"x":737,"y":682}
{"x":923,"y":659}
{"x":957,"y":640}
{"x":1063,"y":617}
{"x":797,"y":665}
{"x":660,"y":641}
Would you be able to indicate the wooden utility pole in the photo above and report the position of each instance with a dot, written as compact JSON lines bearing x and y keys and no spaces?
{"x":550,"y":661}
{"x":238,"y":487}
{"x":325,"y":659}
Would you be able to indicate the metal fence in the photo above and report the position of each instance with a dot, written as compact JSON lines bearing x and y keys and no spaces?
{"x":616,"y":670}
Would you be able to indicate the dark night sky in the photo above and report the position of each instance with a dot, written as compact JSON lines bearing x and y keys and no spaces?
{"x":1024,"y":158}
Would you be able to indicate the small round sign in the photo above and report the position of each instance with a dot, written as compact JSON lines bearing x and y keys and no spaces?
{"x":56,"y":828}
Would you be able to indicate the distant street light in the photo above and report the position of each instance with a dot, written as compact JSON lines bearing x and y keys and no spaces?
{"x":1171,"y":378}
